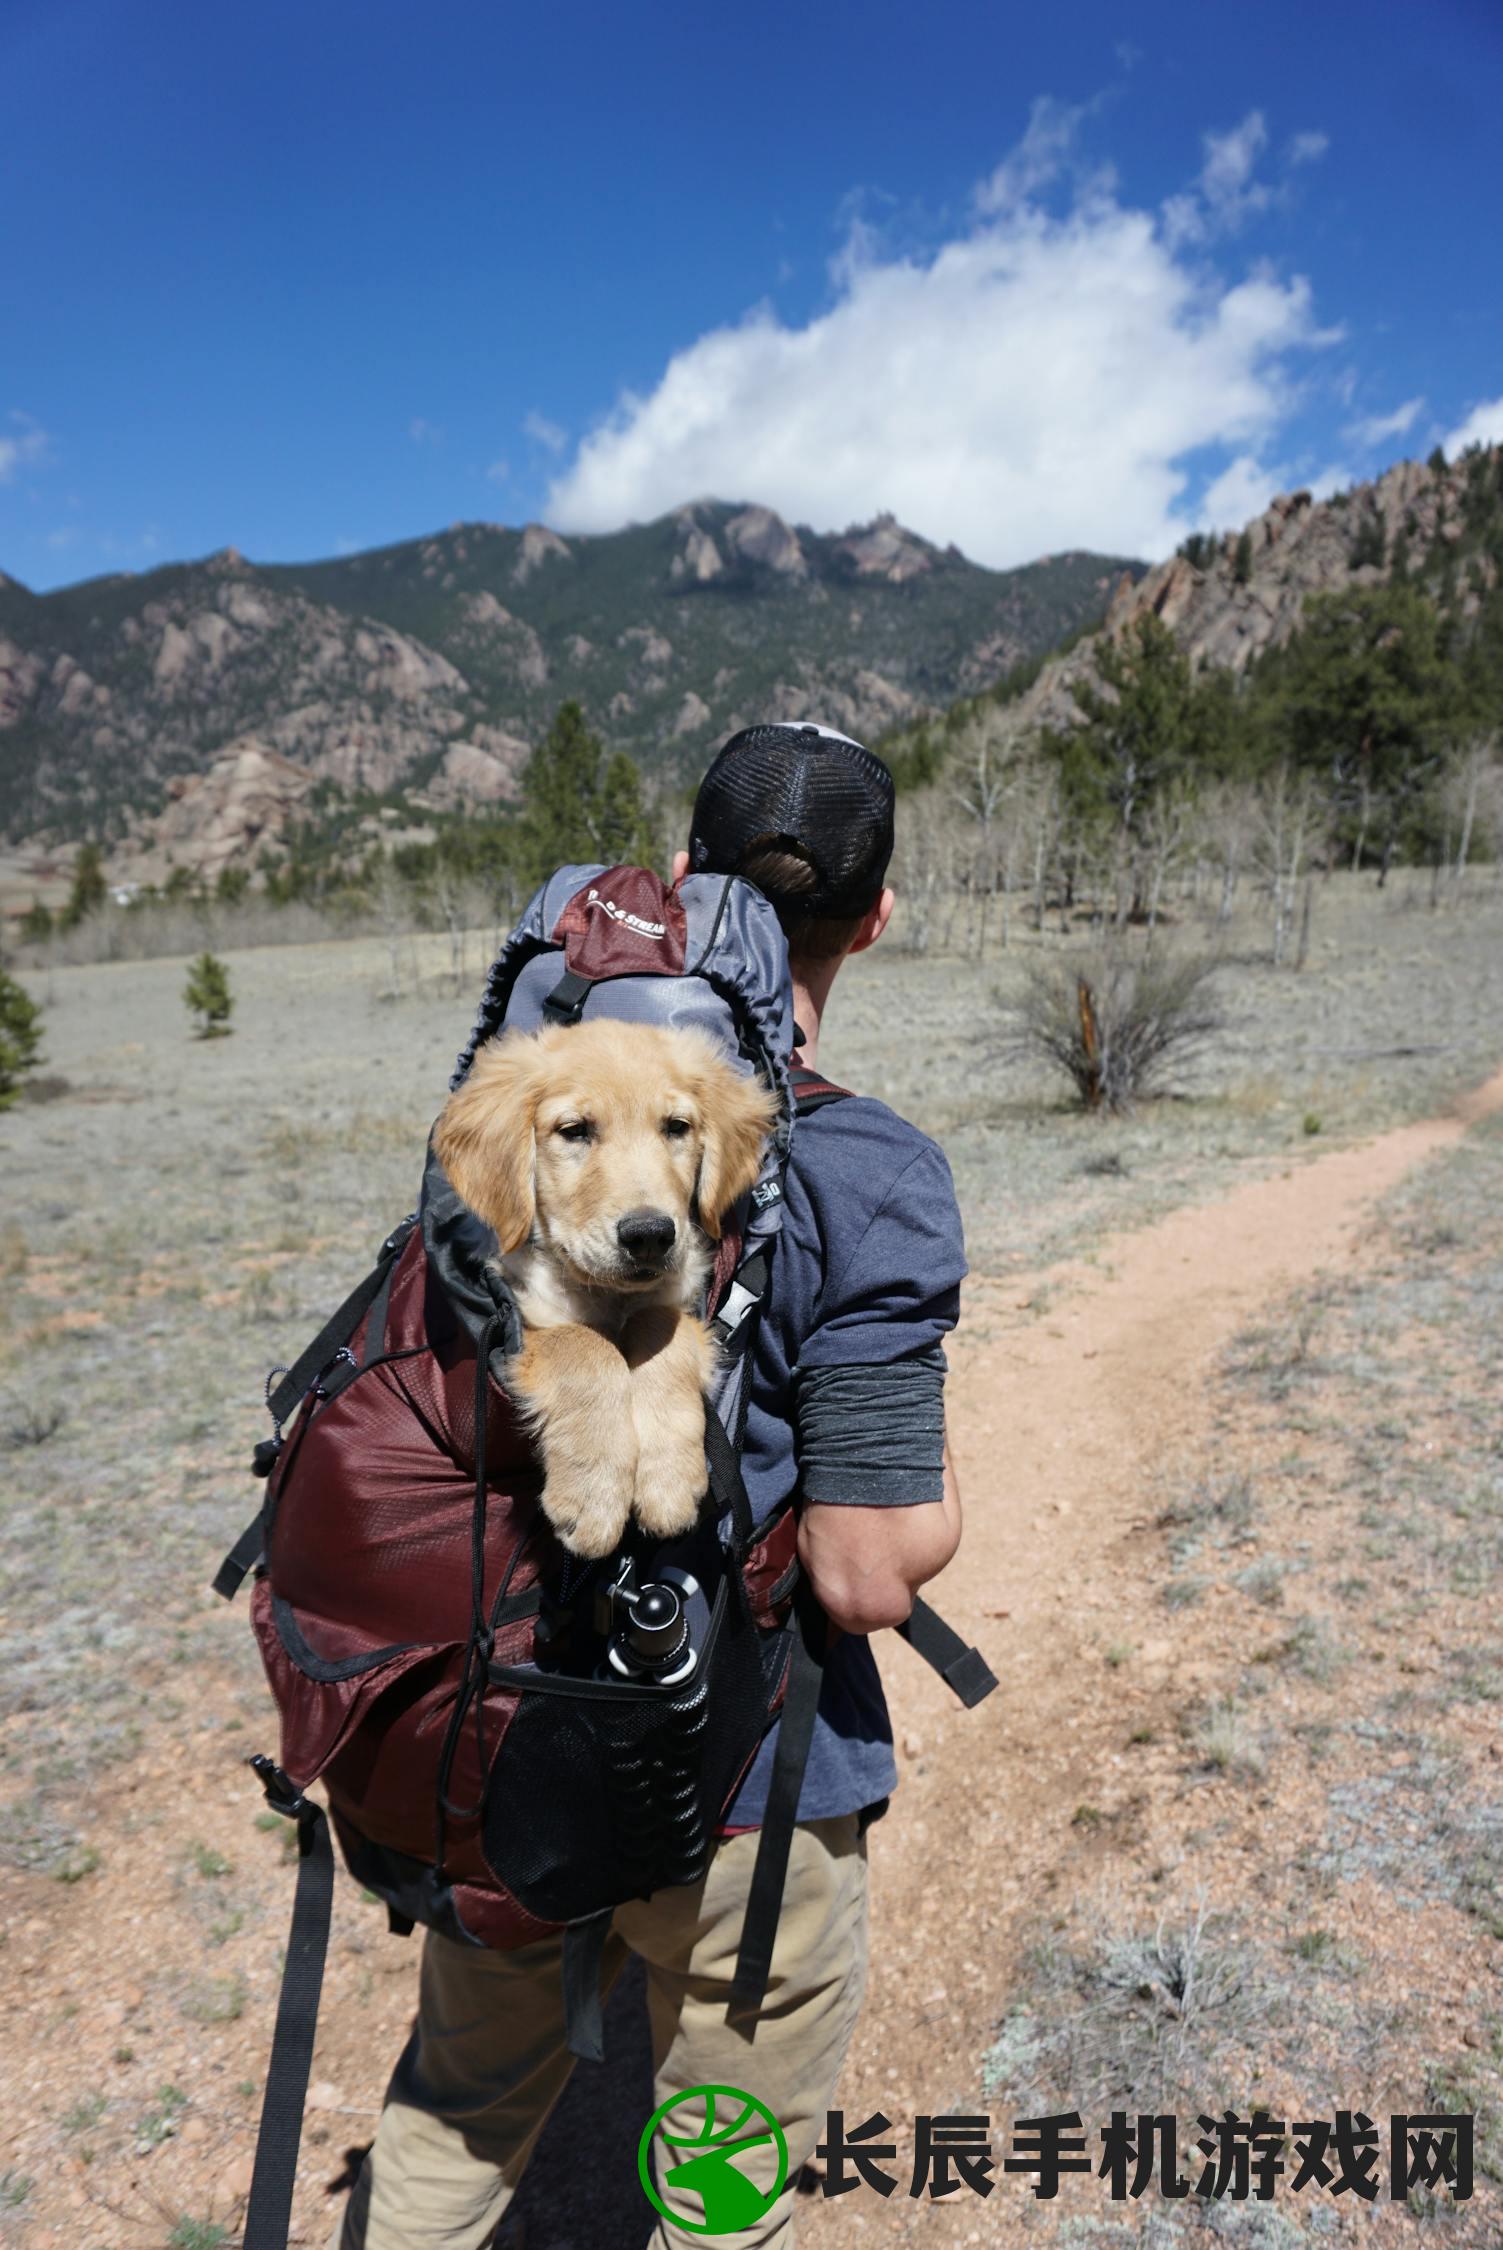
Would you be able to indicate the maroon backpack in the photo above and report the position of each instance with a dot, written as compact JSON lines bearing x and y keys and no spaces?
{"x":513,"y":1742}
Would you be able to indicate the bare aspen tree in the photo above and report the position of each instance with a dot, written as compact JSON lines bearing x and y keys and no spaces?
{"x":1166,"y":831}
{"x":1286,"y":805}
{"x":1465,"y":790}
{"x":392,"y":906}
{"x":980,"y":781}
{"x":1228,"y":824}
{"x":923,"y":864}
{"x":447,"y":893}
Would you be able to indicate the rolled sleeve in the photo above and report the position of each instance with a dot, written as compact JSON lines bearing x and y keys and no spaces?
{"x":872,"y":1437}
{"x":868,"y":1387}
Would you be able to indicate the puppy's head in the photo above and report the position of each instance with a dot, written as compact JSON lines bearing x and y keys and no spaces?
{"x":607,"y":1144}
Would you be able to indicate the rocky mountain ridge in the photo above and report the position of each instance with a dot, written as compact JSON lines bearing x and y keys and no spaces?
{"x":187,"y":715}
{"x":1229,"y":598}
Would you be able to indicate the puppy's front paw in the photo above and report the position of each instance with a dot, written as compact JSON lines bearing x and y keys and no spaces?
{"x":589,"y":1514}
{"x":671,"y":1483}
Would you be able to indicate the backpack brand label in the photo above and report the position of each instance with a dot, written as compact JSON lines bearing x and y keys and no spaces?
{"x":624,"y":923}
{"x":655,"y":930}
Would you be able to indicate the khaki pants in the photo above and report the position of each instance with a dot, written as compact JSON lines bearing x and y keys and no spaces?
{"x":486,"y":2061}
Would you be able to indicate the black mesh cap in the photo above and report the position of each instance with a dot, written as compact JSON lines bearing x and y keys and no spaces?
{"x":806,"y":788}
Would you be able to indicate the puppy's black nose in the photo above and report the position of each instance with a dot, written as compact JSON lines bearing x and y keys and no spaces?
{"x":646,"y":1234}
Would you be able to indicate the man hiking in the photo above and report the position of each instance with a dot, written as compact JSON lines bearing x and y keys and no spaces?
{"x":846,"y":1408}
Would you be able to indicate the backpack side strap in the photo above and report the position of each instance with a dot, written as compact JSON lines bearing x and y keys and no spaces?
{"x":372,"y":1296}
{"x":764,"y":1899}
{"x":964,"y":1669}
{"x":275,"y":2172}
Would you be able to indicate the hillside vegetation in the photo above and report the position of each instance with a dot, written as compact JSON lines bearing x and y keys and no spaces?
{"x":178,"y":714}
{"x":1324,"y":687}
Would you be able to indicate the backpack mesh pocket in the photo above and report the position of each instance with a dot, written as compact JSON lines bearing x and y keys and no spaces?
{"x":609,"y":1789}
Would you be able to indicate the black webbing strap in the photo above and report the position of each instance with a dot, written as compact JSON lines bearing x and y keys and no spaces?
{"x":764,"y":1900}
{"x":269,"y":2210}
{"x":964,"y":1669}
{"x":584,"y":2020}
{"x":565,"y":1003}
{"x":242,"y":1557}
{"x":335,"y":1333}
{"x":373,"y":1296}
{"x":727,"y":1486}
{"x":375,"y":1326}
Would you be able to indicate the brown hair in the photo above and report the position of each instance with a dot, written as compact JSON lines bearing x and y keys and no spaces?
{"x":787,"y":874}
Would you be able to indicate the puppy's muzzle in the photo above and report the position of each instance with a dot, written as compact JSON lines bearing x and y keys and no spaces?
{"x":646,"y":1238}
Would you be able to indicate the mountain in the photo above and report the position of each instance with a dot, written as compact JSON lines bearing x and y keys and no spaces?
{"x":215,"y":696}
{"x":1228,"y":599}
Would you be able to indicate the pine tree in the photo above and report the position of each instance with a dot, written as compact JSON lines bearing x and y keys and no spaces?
{"x":622,"y":833}
{"x":20,"y":1037}
{"x":559,"y":784}
{"x":1137,"y":736}
{"x":1242,"y":562}
{"x":1364,"y":697}
{"x":207,"y":994}
{"x":577,"y":803}
{"x":89,"y":890}
{"x":36,"y":923}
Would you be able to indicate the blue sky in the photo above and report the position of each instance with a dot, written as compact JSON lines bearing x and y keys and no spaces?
{"x":303,"y":278}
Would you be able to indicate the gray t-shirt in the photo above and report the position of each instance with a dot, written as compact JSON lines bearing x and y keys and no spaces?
{"x":866,"y":1277}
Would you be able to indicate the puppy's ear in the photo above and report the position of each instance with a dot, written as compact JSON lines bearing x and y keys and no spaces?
{"x":484,"y":1137}
{"x":738,"y":1114}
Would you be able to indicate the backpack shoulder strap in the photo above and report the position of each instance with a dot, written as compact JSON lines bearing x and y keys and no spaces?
{"x":812,"y":1091}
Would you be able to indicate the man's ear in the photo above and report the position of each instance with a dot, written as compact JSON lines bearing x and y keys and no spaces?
{"x":737,"y":1115}
{"x":485,"y":1138}
{"x":874,"y":922}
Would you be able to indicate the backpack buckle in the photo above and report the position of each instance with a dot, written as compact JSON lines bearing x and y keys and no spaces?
{"x":282,"y":1793}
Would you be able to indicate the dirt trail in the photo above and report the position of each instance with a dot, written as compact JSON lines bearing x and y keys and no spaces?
{"x":1062,"y":1430}
{"x":1072,"y":1400}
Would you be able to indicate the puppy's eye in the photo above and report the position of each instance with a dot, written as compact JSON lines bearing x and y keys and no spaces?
{"x":576,"y":1129}
{"x":676,"y":1127}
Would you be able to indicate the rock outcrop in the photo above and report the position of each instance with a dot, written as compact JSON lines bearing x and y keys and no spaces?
{"x":1297,"y":547}
{"x":219,"y":818}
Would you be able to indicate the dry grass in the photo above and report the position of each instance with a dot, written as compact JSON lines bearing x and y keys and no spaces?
{"x":1318,"y":1921}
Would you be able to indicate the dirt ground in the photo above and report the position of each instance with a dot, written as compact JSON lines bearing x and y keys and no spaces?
{"x":1226,"y":1408}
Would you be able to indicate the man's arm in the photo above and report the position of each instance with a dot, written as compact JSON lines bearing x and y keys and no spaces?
{"x":866,"y":1564}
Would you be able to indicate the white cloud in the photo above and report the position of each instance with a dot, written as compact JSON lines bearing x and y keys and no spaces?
{"x":1227,"y":193}
{"x":538,"y":427}
{"x":1483,"y":426}
{"x":1049,"y":148}
{"x":423,"y":432}
{"x":1037,"y":383}
{"x":27,"y":442}
{"x":1242,"y":491}
{"x":1308,"y":148}
{"x":499,"y":471}
{"x":1373,"y":429}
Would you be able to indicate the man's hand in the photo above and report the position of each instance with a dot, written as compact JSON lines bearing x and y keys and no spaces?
{"x":866,"y":1564}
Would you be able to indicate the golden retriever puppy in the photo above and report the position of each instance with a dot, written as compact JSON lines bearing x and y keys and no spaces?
{"x":605,"y":1156}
